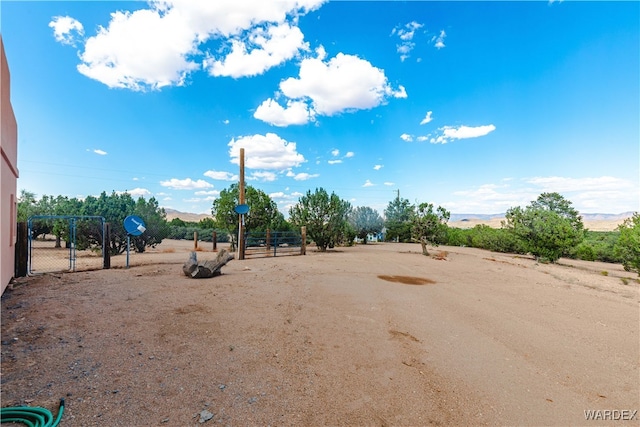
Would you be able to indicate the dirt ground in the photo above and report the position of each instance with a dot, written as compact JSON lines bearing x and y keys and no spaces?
{"x":374,"y":334}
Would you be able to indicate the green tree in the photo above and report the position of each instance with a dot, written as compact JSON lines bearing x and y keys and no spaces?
{"x":207,"y":223}
{"x":263,"y":214}
{"x":114,"y":208}
{"x":26,"y":205}
{"x":398,"y":219}
{"x":324,"y":215}
{"x":548,"y":228}
{"x":430,"y":226}
{"x":29,"y":206}
{"x":628,"y":245}
{"x":155,"y":220}
{"x":177,"y":222}
{"x":365,"y":221}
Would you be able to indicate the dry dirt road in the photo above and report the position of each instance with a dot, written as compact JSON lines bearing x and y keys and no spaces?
{"x":476,"y":339}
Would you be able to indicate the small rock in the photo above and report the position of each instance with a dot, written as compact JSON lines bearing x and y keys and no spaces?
{"x":222,"y":386}
{"x":253,"y":400}
{"x":205,"y":416}
{"x":166,"y":420}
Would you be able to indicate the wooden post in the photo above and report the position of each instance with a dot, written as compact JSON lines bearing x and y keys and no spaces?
{"x":106,"y":250}
{"x":241,"y":197}
{"x":268,"y":240}
{"x":215,"y":241}
{"x":195,"y":240}
{"x":303,"y":235}
{"x":22,"y":250}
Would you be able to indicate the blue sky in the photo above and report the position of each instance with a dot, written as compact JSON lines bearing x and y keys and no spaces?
{"x":475,"y":106}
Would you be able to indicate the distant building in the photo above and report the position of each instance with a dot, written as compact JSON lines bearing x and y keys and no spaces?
{"x":8,"y":184}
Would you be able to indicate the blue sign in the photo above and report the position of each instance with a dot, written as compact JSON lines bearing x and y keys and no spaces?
{"x":134,"y":225}
{"x":241,"y":209}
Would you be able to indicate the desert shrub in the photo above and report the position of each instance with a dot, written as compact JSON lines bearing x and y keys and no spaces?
{"x":484,"y":237}
{"x":627,"y":248}
{"x":548,"y":227}
{"x":584,"y":251}
{"x":597,"y":246}
{"x":458,"y":237}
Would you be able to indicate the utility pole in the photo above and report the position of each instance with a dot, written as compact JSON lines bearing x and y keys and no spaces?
{"x":240,"y":217}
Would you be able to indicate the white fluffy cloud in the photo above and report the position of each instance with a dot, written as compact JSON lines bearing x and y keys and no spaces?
{"x":427,"y":118}
{"x":605,"y":194}
{"x":406,"y":137}
{"x":136,"y":192}
{"x":264,"y":176}
{"x":186,"y":184}
{"x":564,"y":184}
{"x":405,"y":34}
{"x":162,"y":44}
{"x":303,"y":176}
{"x":265,"y":152}
{"x":368,"y":183}
{"x":66,"y":29}
{"x":100,"y":152}
{"x":221,"y":176}
{"x":343,"y":83}
{"x":451,"y":133}
{"x":439,"y":40}
{"x":295,"y":113}
{"x":378,"y":167}
{"x":262,"y":50}
{"x":213,"y":193}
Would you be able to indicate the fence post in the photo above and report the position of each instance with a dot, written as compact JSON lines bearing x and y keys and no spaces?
{"x":22,"y":250}
{"x":106,"y":249}
{"x":268,"y":242}
{"x":303,"y":245}
{"x":195,"y":240}
{"x":215,"y":241}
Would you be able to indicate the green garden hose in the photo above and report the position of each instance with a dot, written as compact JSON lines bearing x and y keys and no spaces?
{"x":31,"y":416}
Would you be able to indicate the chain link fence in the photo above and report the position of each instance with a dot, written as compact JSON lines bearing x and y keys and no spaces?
{"x":65,"y":243}
{"x":76,"y":243}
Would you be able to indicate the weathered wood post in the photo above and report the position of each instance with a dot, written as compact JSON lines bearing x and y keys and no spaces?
{"x":195,"y":240}
{"x":215,"y":241}
{"x":22,"y":250}
{"x":303,"y":245}
{"x":268,"y":240}
{"x":106,"y":248}
{"x":241,"y":196}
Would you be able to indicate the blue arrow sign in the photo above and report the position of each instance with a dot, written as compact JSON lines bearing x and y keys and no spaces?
{"x":134,"y":225}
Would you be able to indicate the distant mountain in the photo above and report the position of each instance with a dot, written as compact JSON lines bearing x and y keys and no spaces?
{"x":594,"y":222}
{"x":483,"y":217}
{"x":607,"y":217}
{"x":585,"y":217}
{"x":185,"y":216}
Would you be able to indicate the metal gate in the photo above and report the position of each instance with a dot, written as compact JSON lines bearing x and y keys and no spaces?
{"x":83,"y":248}
{"x":272,"y":243}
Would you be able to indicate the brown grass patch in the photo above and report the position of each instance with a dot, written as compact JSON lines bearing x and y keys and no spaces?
{"x":398,"y":334}
{"x":407,"y":280}
{"x":441,"y":256}
{"x":168,"y":250}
